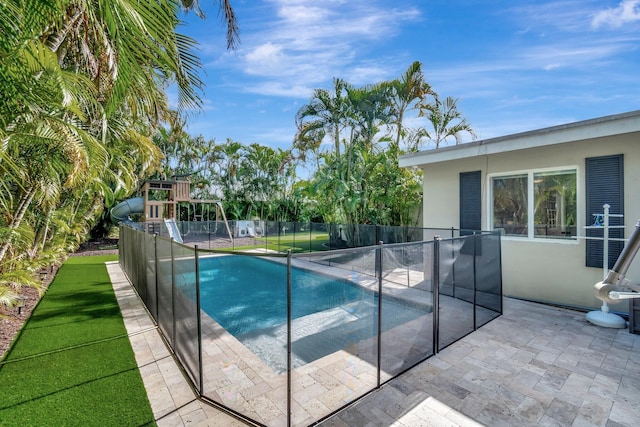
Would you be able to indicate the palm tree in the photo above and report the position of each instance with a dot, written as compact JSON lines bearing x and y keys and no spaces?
{"x":81,"y":92}
{"x":233,"y":37}
{"x":445,"y":120}
{"x":356,"y":117}
{"x":325,"y":114}
{"x":42,"y":156}
{"x":368,"y":108}
{"x":406,"y":92}
{"x":124,"y":50}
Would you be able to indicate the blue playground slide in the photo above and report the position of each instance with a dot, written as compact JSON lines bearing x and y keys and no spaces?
{"x":122,"y":211}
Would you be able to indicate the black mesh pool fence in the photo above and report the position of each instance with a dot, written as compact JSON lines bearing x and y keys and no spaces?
{"x":282,"y":338}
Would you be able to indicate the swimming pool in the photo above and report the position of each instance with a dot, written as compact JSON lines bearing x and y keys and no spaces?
{"x":247,"y":296}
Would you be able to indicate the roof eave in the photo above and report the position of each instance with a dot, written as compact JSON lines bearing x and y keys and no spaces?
{"x":617,"y":124}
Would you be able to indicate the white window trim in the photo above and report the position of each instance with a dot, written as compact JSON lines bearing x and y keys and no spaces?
{"x":530,"y":203}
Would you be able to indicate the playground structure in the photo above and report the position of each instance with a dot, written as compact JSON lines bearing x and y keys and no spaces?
{"x":168,"y":201}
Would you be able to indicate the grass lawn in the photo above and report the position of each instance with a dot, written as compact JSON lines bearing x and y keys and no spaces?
{"x":72,"y":364}
{"x":300,"y":242}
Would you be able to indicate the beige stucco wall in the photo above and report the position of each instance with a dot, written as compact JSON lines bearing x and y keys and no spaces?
{"x":539,"y":269}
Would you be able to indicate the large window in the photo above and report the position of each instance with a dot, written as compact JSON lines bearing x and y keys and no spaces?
{"x":535,"y":204}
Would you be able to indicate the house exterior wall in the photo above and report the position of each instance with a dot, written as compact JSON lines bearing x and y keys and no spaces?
{"x":549,"y":270}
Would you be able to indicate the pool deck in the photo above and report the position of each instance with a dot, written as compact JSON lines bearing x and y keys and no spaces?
{"x":534,"y":365}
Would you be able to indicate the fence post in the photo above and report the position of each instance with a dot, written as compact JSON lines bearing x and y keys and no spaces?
{"x":453,"y":259}
{"x":143,"y":263}
{"x":199,"y":322}
{"x":121,"y":252}
{"x":155,"y":259}
{"x":500,"y":270}
{"x":436,"y":293}
{"x":289,"y":337}
{"x":475,"y":275}
{"x":127,"y":250}
{"x":379,"y":257}
{"x":173,"y":299}
{"x":310,"y":237}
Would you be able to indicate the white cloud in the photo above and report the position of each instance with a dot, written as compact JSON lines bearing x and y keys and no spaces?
{"x":267,"y":58}
{"x":309,"y":42}
{"x":534,"y":72}
{"x":276,"y":88}
{"x":303,"y":14}
{"x":367,"y":73}
{"x":309,"y":22}
{"x":537,"y":64}
{"x":627,"y":11}
{"x":543,"y":17}
{"x":276,"y":137}
{"x":568,"y":54}
{"x":550,"y":55}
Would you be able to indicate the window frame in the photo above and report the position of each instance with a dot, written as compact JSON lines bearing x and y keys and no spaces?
{"x":530,"y":203}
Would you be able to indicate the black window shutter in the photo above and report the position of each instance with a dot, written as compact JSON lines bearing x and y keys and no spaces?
{"x":470,"y":202}
{"x":604,"y":182}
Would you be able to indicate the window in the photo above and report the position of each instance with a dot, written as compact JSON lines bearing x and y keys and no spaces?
{"x":535,"y":204}
{"x":510,"y":204}
{"x":555,"y":203}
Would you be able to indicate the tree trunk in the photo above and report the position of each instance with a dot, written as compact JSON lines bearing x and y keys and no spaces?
{"x":24,"y":204}
{"x":46,"y":231}
{"x":400,"y":119}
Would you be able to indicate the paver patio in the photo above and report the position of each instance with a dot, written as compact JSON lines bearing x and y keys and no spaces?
{"x":534,"y":365}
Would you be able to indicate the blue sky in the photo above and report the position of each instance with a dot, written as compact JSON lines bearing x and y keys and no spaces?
{"x":515,"y":65}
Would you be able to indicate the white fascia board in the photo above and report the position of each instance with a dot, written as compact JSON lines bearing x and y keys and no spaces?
{"x":579,"y":131}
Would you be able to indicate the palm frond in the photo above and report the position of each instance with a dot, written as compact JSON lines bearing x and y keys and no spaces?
{"x":8,"y":296}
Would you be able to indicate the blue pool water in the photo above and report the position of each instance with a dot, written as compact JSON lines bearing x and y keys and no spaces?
{"x":245,"y":294}
{"x":248,"y":297}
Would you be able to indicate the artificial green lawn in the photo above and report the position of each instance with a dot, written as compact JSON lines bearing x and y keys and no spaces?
{"x":72,"y":364}
{"x":300,"y":242}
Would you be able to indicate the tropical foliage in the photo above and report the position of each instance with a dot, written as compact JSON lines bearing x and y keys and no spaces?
{"x":82,"y":92}
{"x":348,"y":141}
{"x":445,"y":121}
{"x":357,"y":178}
{"x":254,"y":181}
